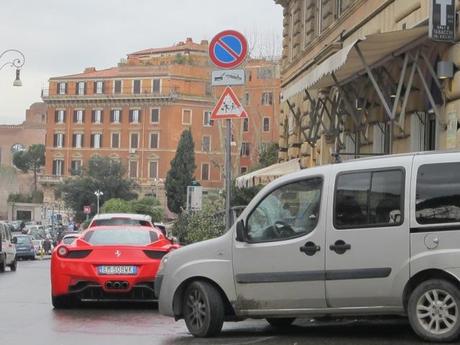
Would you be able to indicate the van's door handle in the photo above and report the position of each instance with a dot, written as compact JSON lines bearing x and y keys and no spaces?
{"x":340,"y":247}
{"x":310,"y":248}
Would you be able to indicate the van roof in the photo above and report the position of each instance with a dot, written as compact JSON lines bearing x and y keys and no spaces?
{"x":407,"y":154}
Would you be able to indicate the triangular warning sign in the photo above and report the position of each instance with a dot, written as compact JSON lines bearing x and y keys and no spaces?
{"x":228,"y":106}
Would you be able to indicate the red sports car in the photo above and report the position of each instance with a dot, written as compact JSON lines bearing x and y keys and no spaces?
{"x":108,"y":263}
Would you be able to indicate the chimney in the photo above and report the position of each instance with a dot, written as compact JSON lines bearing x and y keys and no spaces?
{"x":189,"y":40}
{"x":89,"y":69}
{"x":204,"y":42}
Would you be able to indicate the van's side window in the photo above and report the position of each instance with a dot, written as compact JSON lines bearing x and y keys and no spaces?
{"x":369,"y":199}
{"x":289,"y":211}
{"x":438,"y":193}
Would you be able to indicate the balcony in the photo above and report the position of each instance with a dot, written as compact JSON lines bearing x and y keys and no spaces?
{"x":50,"y":179}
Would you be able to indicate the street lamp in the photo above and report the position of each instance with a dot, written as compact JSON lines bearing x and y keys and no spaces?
{"x":17,"y":62}
{"x":98,"y":194}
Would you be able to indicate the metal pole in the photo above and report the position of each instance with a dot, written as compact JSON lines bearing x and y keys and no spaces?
{"x":97,"y":197}
{"x":228,"y":173}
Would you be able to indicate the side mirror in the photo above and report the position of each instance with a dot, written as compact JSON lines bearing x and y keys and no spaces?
{"x":241,"y":231}
{"x":14,"y":240}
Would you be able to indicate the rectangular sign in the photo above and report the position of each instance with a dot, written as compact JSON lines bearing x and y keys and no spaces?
{"x":442,"y":20}
{"x":228,"y":77}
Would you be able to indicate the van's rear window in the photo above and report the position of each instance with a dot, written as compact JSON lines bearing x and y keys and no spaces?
{"x":438,"y":193}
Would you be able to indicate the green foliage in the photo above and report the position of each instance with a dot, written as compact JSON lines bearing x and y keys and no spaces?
{"x":149,"y":206}
{"x":31,"y":160}
{"x":181,"y":173}
{"x":268,"y":155}
{"x":242,"y":196}
{"x":195,"y":226}
{"x":36,"y":197}
{"x":104,"y":174}
{"x":116,"y":205}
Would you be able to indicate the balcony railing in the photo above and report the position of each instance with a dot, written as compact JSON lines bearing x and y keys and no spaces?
{"x":109,"y":96}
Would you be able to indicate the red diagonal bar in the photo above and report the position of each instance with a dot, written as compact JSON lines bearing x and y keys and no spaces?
{"x":228,"y":49}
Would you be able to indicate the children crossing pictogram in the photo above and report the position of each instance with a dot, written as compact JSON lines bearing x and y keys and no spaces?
{"x":228,"y":106}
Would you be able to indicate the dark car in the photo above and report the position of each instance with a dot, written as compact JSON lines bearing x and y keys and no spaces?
{"x":24,"y":247}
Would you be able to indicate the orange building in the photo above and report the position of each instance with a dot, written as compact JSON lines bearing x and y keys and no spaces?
{"x":136,"y":112}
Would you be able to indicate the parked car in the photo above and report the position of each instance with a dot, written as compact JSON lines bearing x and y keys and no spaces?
{"x":24,"y":247}
{"x":108,"y":263}
{"x":370,"y":236}
{"x":7,"y":248}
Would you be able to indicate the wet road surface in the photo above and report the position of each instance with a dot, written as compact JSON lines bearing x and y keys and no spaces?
{"x":27,"y":317}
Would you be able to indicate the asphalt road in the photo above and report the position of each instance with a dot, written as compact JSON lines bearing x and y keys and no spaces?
{"x":27,"y":317}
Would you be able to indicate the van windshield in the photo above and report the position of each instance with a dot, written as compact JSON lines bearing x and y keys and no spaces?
{"x":120,"y":221}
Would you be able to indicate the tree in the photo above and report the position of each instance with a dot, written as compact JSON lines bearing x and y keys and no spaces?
{"x":104,"y":174}
{"x":181,"y":173}
{"x":149,"y":206}
{"x":32,"y":159}
{"x":268,"y":155}
{"x":116,"y":205}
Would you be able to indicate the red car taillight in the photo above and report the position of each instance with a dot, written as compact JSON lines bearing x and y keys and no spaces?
{"x":62,"y":251}
{"x":73,"y":254}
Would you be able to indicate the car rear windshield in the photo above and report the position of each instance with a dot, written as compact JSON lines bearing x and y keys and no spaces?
{"x":23,"y":240}
{"x":120,"y":221}
{"x":129,"y":237}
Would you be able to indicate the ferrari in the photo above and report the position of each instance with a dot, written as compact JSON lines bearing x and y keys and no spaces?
{"x":108,"y":263}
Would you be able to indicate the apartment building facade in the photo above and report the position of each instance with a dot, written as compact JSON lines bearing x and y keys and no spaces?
{"x":136,"y":113}
{"x":364,"y":78}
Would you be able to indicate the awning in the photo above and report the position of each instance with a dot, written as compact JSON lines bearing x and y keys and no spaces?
{"x":268,"y":174}
{"x":347,"y":63}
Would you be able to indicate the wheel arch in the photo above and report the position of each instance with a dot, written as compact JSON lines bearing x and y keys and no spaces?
{"x":179,"y":293}
{"x":425,"y":275}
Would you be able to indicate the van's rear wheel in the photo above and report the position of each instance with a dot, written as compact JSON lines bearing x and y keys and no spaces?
{"x":14,"y":265}
{"x":280,"y":322}
{"x":433,"y":310}
{"x":3,"y":264}
{"x":203,"y":309}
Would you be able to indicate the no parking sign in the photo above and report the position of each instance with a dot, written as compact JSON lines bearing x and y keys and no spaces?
{"x":228,"y":49}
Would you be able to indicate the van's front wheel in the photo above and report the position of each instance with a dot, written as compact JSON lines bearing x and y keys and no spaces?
{"x":203,"y":309}
{"x":433,"y":310}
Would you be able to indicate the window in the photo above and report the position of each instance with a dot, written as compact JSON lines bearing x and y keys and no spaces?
{"x":136,"y":86}
{"x":207,"y":122}
{"x":205,"y":172}
{"x":267,"y":98}
{"x":99,"y":87}
{"x":243,"y":170}
{"x":78,"y":116}
{"x":133,"y":169}
{"x":319,"y":16}
{"x":265,"y":73}
{"x":245,"y":151}
{"x":369,"y":198}
{"x":156,"y":87}
{"x":59,"y":116}
{"x":58,"y":167}
{"x":62,"y":88}
{"x":206,"y":144}
{"x":134,"y":116}
{"x":246,"y":98}
{"x":117,"y":87}
{"x":155,"y":115}
{"x":59,"y":140}
{"x":134,"y":140}
{"x":266,"y":124}
{"x":115,"y":144}
{"x":289,"y":211}
{"x":75,"y":167}
{"x":378,"y":138}
{"x":186,"y":117}
{"x":97,"y":116}
{"x":77,"y":140}
{"x":245,"y":124}
{"x":115,"y":116}
{"x":96,"y":140}
{"x":81,"y":88}
{"x":154,"y":140}
{"x":424,"y":132}
{"x":438,"y":193}
{"x":153,"y":169}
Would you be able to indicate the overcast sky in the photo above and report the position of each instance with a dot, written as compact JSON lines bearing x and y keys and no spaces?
{"x":60,"y":37}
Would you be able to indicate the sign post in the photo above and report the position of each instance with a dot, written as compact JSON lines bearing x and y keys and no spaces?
{"x":227,"y":50}
{"x":87,"y":211}
{"x":442,"y":20}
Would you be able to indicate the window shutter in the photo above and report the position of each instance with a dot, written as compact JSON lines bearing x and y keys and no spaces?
{"x":83,"y":116}
{"x":92,"y":141}
{"x":140,"y":116}
{"x":82,"y":140}
{"x":54,"y":167}
{"x":55,"y":116}
{"x":103,"y":87}
{"x":84,"y":88}
{"x":93,"y":116}
{"x":112,"y":115}
{"x":75,"y":116}
{"x":55,"y":140}
{"x":102,"y":116}
{"x":74,"y":140}
{"x":63,"y":140}
{"x":94,"y":87}
{"x":130,"y":116}
{"x":120,"y":116}
{"x":63,"y":115}
{"x":100,"y":140}
{"x":65,"y":88}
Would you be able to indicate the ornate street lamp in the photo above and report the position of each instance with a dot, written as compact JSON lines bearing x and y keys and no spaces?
{"x":16,"y":62}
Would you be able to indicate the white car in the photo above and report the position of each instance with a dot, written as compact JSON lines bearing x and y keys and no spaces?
{"x":7,"y":248}
{"x":104,"y":219}
{"x":376,"y":236}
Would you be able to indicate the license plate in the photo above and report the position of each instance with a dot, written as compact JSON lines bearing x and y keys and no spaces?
{"x":117,"y":270}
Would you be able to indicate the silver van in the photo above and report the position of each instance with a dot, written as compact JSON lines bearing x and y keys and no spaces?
{"x":376,"y":236}
{"x":7,"y":248}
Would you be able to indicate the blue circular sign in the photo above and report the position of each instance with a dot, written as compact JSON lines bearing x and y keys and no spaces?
{"x":228,"y":49}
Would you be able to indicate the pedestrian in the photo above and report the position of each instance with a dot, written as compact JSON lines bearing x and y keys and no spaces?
{"x":47,"y":246}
